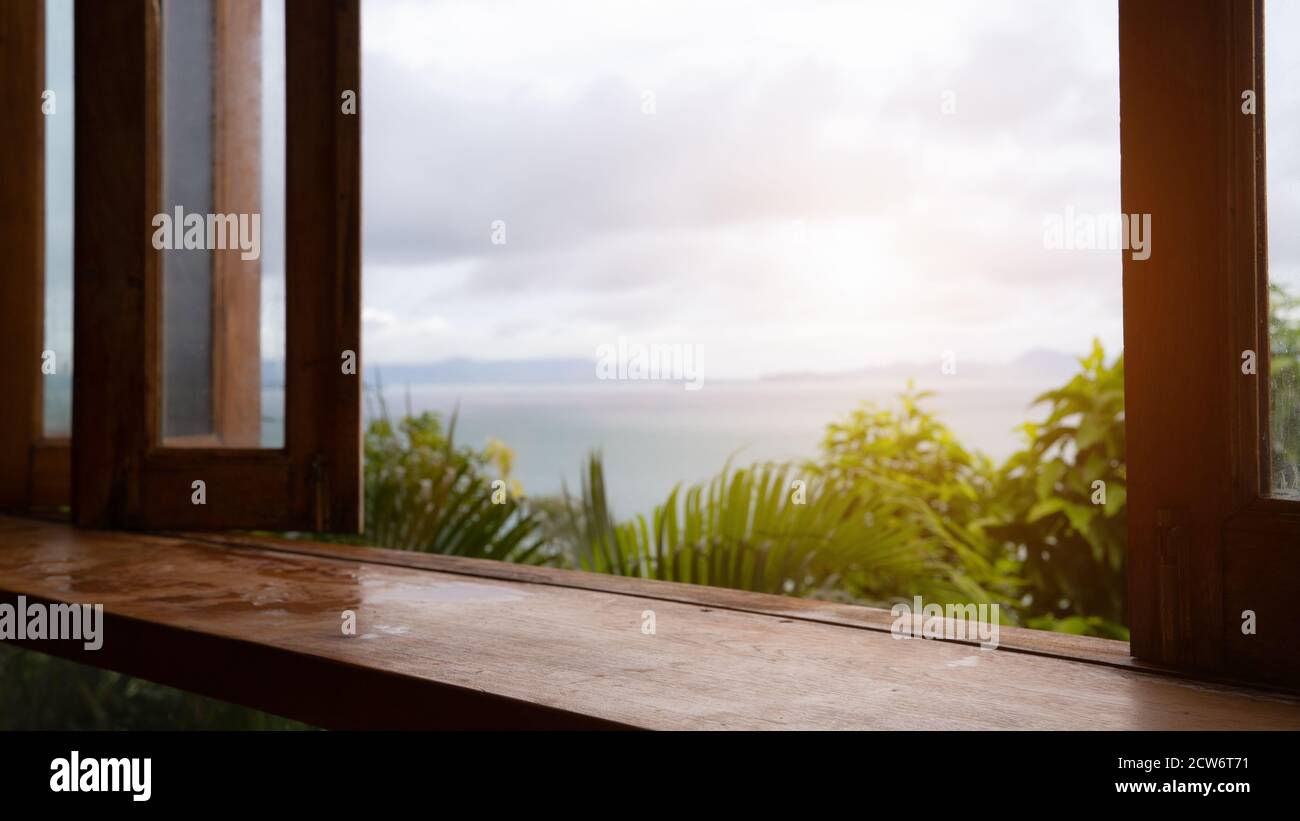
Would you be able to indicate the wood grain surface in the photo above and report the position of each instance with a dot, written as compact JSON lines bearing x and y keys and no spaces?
{"x":436,"y":649}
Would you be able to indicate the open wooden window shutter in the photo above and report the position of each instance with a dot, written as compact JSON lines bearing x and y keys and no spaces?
{"x":124,"y":473}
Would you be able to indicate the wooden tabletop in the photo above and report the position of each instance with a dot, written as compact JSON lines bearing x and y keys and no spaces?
{"x":462,"y":643}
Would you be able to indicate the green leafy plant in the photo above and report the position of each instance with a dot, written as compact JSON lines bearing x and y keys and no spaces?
{"x":926,"y":481}
{"x":425,"y":493}
{"x":1061,"y":500}
{"x":769,"y":528}
{"x":1284,"y":371}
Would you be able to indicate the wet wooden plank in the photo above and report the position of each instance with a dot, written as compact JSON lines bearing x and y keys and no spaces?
{"x":438,"y":649}
{"x":1040,"y":642}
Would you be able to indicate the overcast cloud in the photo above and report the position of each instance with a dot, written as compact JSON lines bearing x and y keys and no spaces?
{"x":797,"y":200}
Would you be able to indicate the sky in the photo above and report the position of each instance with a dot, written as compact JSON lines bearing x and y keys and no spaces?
{"x":790,"y":185}
{"x":1282,"y":85}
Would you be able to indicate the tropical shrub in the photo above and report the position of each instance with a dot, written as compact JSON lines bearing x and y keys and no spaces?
{"x":770,"y":528}
{"x":1060,"y":502}
{"x":927,"y":482}
{"x":424,"y":492}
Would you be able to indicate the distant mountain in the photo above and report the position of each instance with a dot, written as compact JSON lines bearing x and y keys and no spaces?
{"x":1035,"y":365}
{"x":473,"y":370}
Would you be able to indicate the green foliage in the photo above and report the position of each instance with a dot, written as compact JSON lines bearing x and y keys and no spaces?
{"x":767,"y":528}
{"x":41,"y":692}
{"x":1080,"y":626}
{"x":897,"y":507}
{"x":425,"y":493}
{"x":1050,"y":508}
{"x":927,"y":482}
{"x":911,"y":449}
{"x":1284,"y":371}
{"x":1030,"y":528}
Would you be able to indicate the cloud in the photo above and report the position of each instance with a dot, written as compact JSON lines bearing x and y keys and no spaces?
{"x":764,"y":124}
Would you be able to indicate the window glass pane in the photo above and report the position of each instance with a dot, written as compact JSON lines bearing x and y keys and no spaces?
{"x":58,"y":105}
{"x":221,"y":232}
{"x":187,"y":172}
{"x":1282,"y":132}
{"x":273,"y":142}
{"x":694,"y":237}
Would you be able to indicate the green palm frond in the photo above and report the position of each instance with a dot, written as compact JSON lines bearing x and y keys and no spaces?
{"x":754,"y":528}
{"x":425,"y":493}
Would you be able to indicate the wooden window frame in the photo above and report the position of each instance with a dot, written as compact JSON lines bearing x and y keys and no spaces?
{"x":1207,"y":540}
{"x":35,"y":470}
{"x":123,"y":475}
{"x":1261,"y":539}
{"x":236,"y":294}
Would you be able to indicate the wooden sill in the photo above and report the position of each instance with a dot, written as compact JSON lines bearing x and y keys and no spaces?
{"x":445,"y":642}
